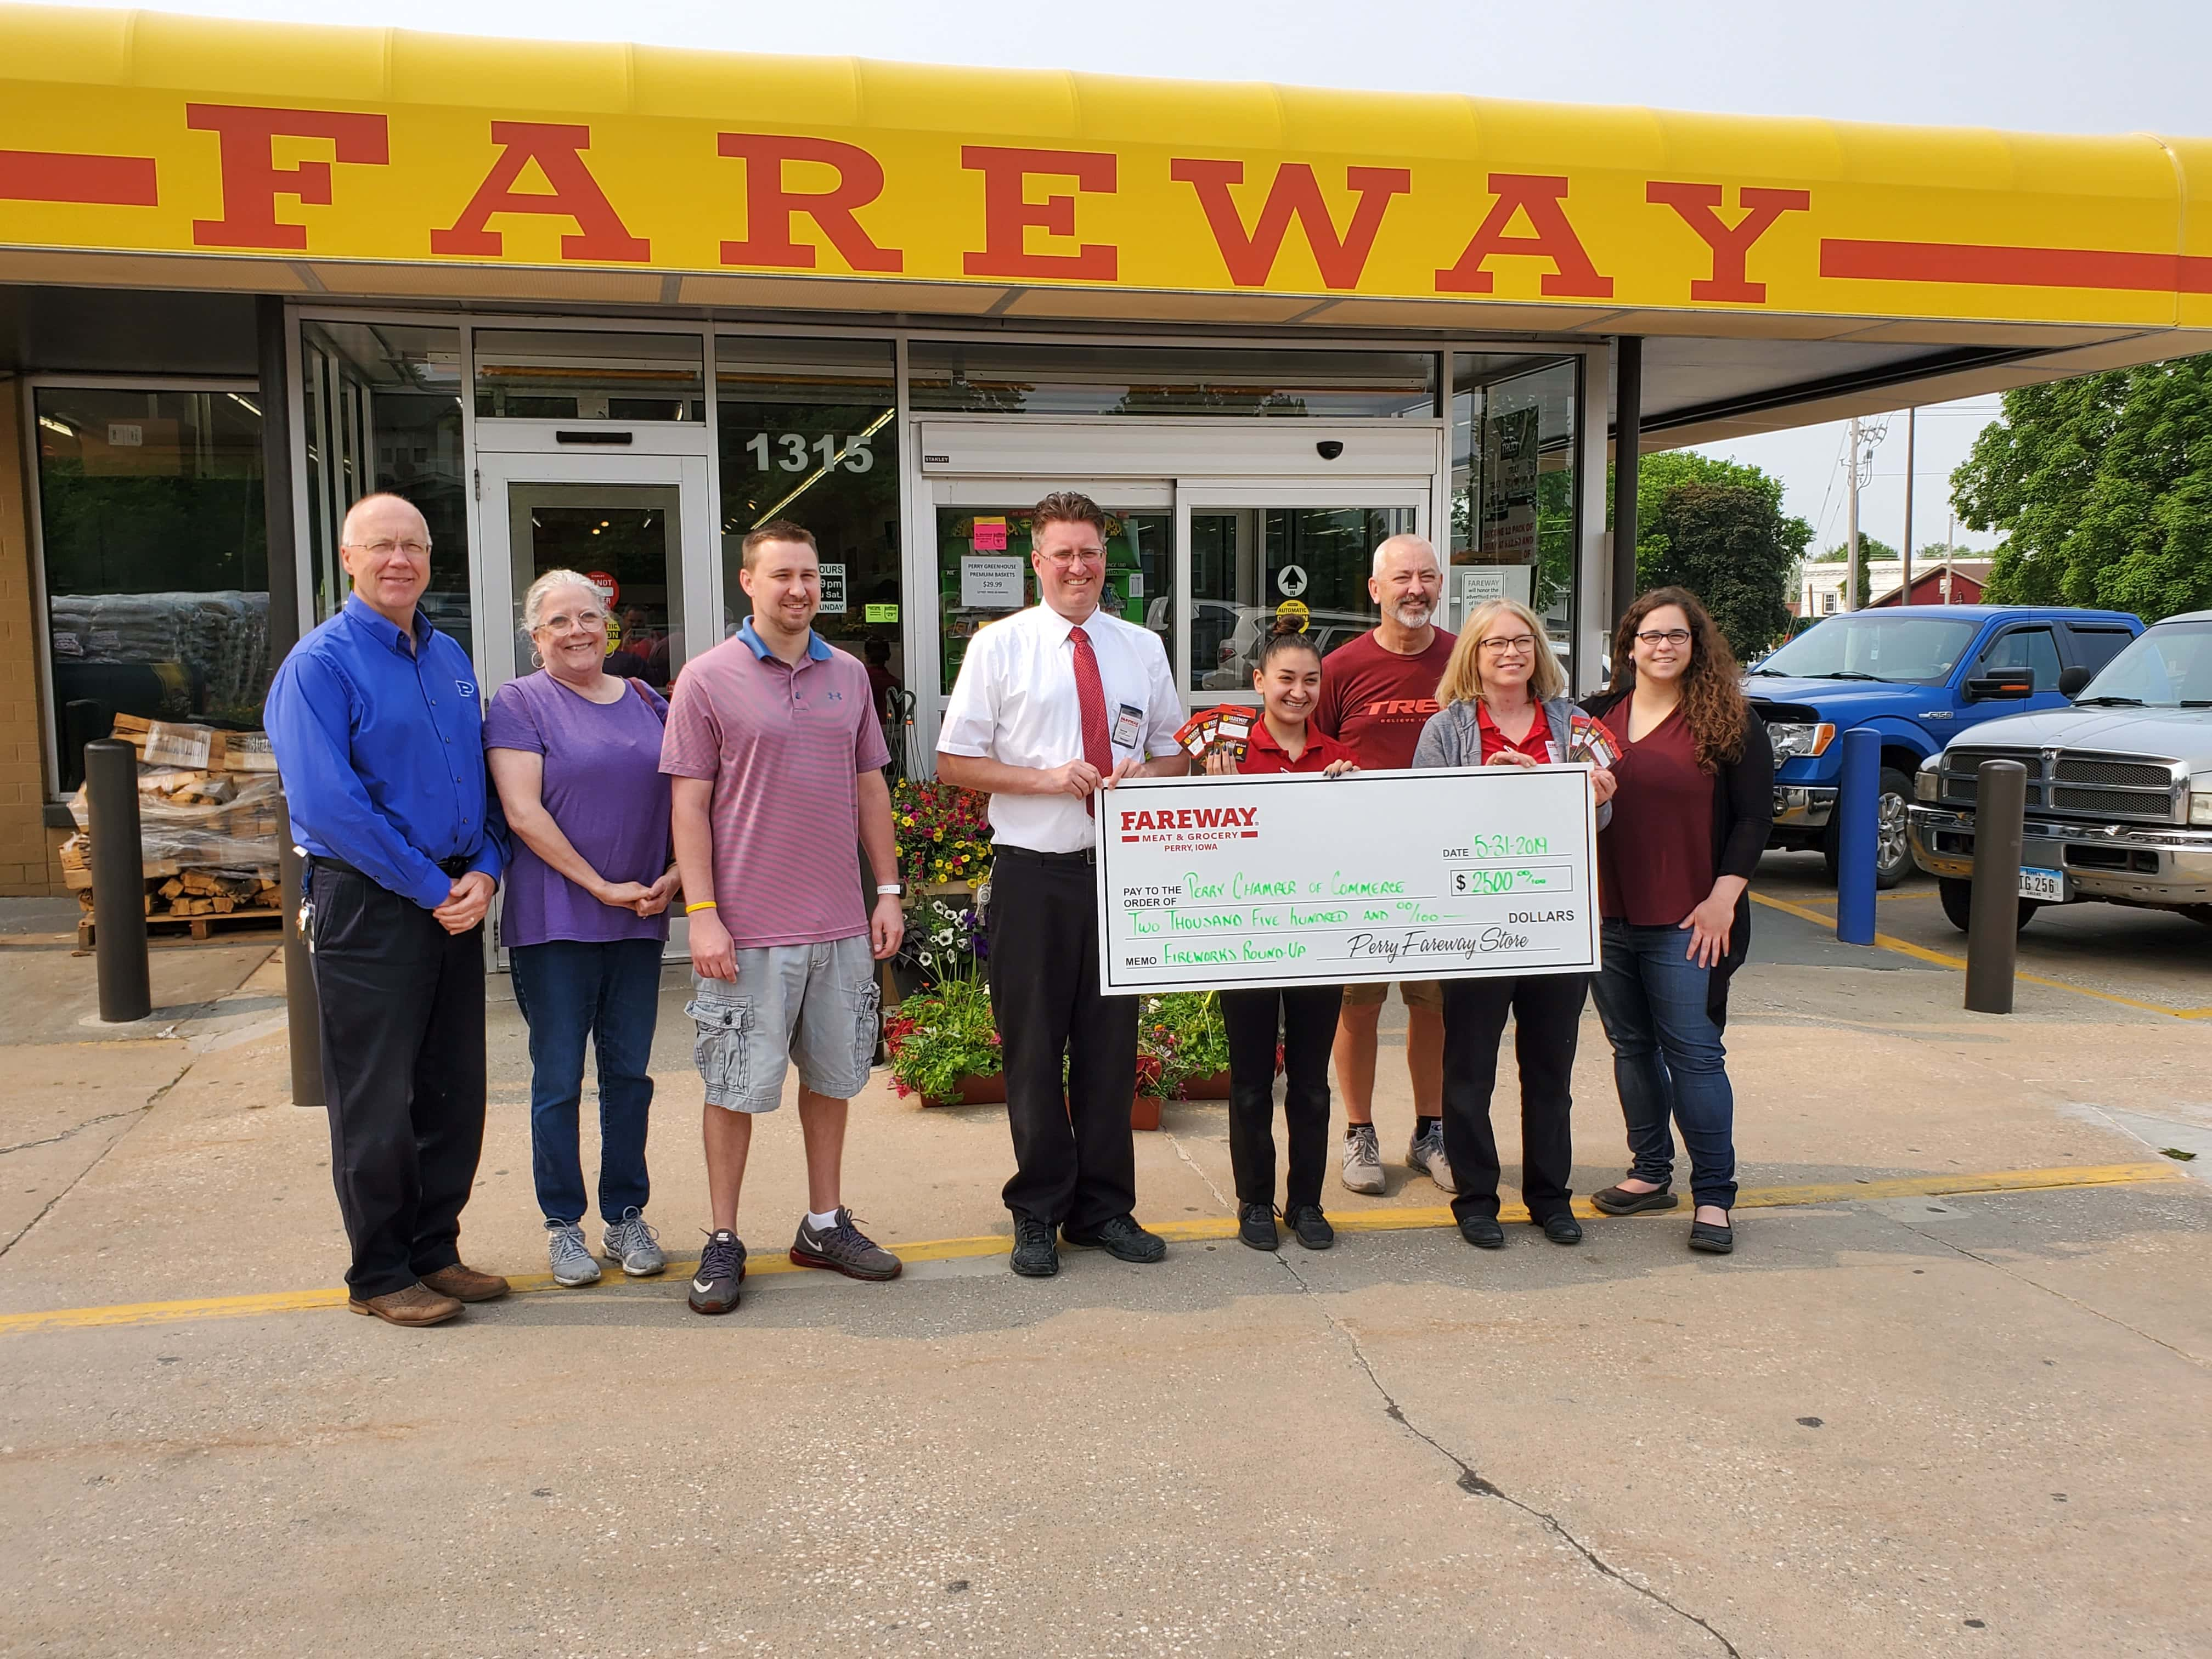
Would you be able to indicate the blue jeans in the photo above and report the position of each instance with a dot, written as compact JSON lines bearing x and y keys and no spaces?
{"x":569,"y":989}
{"x":1668,"y":1060}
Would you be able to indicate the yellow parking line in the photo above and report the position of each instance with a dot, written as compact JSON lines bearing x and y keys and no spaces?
{"x":1941,"y":959}
{"x":1409,"y":1218}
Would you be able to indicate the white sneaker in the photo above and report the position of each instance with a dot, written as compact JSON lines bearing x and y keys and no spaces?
{"x":1362,"y":1160}
{"x":571,"y":1257}
{"x":1426,"y":1154}
{"x":634,"y":1244}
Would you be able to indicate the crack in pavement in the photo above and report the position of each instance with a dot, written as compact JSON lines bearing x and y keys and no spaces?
{"x":2071,"y":1301}
{"x":105,"y":1117}
{"x":1473,"y":1483}
{"x":142,"y":1112}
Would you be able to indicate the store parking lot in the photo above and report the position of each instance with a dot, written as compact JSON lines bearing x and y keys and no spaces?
{"x":1953,"y":1390}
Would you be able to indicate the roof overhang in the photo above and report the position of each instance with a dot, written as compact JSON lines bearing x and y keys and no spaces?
{"x":1782,"y":270}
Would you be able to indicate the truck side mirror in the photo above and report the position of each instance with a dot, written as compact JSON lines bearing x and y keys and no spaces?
{"x":2002,"y":685}
{"x":2073,"y":682}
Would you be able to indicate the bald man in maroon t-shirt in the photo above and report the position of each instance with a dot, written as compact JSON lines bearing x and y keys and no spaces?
{"x":1377,"y":694}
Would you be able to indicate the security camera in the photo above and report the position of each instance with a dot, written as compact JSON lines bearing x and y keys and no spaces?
{"x":1329,"y":448}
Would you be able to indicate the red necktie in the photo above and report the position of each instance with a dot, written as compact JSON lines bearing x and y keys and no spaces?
{"x":1091,"y":694}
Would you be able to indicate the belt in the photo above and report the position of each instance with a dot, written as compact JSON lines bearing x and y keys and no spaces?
{"x":455,"y":866}
{"x":1029,"y":855}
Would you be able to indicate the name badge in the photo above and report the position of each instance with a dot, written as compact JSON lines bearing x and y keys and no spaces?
{"x":1130,"y":722}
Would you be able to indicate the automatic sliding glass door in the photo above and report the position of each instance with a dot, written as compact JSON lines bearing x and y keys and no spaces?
{"x":1261,"y":550}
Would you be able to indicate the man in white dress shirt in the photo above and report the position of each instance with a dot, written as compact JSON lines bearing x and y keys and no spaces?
{"x":1053,"y":705}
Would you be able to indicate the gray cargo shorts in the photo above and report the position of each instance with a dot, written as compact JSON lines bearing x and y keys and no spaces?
{"x":814,"y":1005}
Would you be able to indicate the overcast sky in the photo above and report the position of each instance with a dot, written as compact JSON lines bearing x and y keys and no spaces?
{"x":2034,"y":65}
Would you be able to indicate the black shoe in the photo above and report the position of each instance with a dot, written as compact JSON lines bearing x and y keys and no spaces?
{"x":1035,"y":1256}
{"x":721,"y":1270}
{"x":1618,"y":1200}
{"x":1714,"y":1240}
{"x":1563,"y":1229}
{"x":1311,"y":1226}
{"x":1256,"y":1225}
{"x":1483,"y":1232}
{"x":1121,"y":1237}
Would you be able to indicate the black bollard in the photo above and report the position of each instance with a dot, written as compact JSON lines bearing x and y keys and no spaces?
{"x":118,"y":881}
{"x":303,"y":1029}
{"x":1993,"y":923}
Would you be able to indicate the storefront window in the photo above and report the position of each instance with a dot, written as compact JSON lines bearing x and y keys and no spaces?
{"x":991,"y":379}
{"x":806,"y":436}
{"x":984,"y":573}
{"x":154,"y":534}
{"x":545,"y":374}
{"x":382,"y":403}
{"x":1514,"y":504}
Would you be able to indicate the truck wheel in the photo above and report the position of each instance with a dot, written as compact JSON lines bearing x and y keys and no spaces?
{"x":1958,"y":898}
{"x":1893,"y":851}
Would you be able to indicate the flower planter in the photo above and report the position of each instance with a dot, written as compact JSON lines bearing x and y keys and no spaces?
{"x":1145,"y":1112}
{"x":1208,"y":1088}
{"x":977,"y":1091}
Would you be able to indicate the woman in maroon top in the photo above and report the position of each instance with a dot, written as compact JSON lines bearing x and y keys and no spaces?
{"x":1690,"y":815}
{"x":1288,"y":680}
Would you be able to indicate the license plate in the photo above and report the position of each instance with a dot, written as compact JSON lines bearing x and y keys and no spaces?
{"x":2048,"y":885}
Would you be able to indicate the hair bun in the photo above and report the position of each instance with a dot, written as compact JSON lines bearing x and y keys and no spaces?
{"x":1283,"y":624}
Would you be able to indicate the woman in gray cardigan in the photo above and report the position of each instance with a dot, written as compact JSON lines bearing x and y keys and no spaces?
{"x":1504,"y":703}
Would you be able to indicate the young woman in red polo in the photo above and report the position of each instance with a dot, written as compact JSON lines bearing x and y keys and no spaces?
{"x":1288,"y":680}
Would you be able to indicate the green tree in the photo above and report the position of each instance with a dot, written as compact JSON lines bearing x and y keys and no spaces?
{"x":2102,"y":487}
{"x":1731,"y":545}
{"x":1872,"y":551}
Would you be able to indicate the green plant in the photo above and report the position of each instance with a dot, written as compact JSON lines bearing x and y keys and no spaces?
{"x":944,"y":941}
{"x":944,"y":833}
{"x":1180,"y":1037}
{"x":941,"y":1036}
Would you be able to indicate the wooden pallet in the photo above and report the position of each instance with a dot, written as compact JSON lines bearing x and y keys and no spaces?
{"x":243,"y":921}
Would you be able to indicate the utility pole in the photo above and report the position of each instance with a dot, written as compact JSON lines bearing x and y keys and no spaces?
{"x":1850,"y":601}
{"x":1904,"y":577}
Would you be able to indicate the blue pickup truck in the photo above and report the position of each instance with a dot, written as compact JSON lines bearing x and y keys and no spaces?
{"x":1917,"y":674}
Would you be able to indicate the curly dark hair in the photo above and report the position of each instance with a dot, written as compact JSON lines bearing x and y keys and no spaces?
{"x":1285,"y":634}
{"x":1712,"y":694}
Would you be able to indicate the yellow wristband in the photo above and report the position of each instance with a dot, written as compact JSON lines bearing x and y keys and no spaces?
{"x":703,"y":904}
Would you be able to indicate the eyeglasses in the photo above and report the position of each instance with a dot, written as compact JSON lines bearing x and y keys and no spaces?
{"x":1677,"y":637}
{"x":562,"y":620}
{"x":413,"y":550}
{"x":1080,"y":556}
{"x":1518,"y":645}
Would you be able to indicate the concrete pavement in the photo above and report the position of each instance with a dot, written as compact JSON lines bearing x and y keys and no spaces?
{"x":1925,"y":1420}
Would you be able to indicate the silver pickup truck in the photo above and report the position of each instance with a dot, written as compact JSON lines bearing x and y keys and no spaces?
{"x":2119,"y":787}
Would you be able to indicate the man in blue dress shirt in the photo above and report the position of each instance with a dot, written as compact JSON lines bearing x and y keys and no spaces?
{"x":378,"y":731}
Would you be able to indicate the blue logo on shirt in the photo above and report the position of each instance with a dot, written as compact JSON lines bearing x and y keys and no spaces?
{"x":836,"y":697}
{"x":465,"y":688}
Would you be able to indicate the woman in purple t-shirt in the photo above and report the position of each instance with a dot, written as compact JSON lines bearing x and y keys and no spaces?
{"x":575,"y":754}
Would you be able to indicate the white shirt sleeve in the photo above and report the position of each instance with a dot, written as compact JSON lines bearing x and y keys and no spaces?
{"x":1163,"y":705}
{"x":970,"y":724}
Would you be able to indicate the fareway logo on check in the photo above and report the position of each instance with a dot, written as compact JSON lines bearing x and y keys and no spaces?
{"x":1191,"y":829}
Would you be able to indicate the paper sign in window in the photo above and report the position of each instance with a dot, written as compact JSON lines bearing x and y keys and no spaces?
{"x":991,"y":584}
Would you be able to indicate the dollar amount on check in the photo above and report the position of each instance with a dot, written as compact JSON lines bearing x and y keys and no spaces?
{"x":1289,"y":880}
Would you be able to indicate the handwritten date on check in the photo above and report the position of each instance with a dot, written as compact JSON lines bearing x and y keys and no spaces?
{"x":1225,"y":882}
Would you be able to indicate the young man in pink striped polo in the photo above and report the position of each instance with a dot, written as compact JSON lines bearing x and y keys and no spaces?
{"x":776,"y":759}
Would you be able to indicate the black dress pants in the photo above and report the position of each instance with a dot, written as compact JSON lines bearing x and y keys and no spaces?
{"x":401,"y":1010}
{"x":1075,"y":1164}
{"x":1547,"y":1010}
{"x":1305,"y":1015}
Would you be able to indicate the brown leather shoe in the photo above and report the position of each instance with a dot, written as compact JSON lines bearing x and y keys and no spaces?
{"x":465,"y":1284}
{"x":416,"y":1306}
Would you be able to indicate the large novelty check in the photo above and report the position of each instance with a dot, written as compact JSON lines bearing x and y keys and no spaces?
{"x":1472,"y":872}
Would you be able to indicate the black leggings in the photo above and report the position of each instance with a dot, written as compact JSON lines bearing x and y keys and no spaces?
{"x":1548,"y":1011}
{"x":1305,"y":1015}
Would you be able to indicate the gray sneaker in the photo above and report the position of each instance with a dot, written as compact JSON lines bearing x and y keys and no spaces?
{"x":1362,"y":1160}
{"x":571,"y":1256}
{"x":1426,"y":1154}
{"x":635,"y":1244}
{"x":843,"y":1249}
